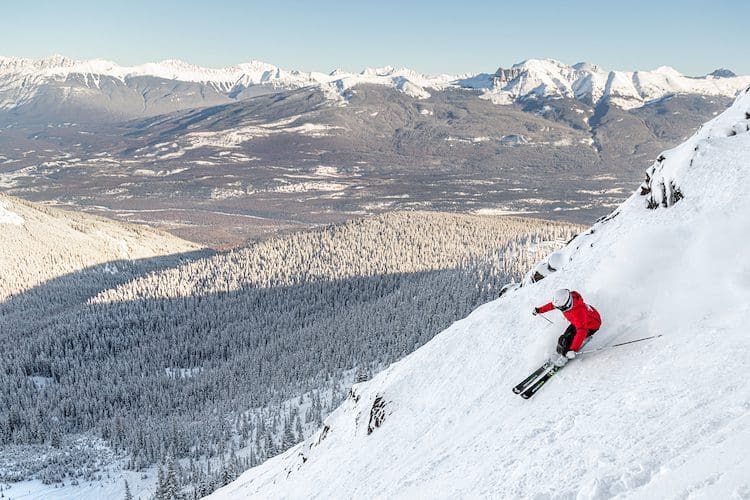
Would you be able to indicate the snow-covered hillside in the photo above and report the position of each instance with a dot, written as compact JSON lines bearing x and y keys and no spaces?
{"x":668,"y":418}
{"x":23,"y":81}
{"x":41,"y":243}
{"x":8,"y":216}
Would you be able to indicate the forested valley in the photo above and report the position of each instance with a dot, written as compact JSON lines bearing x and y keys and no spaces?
{"x":204,"y":365}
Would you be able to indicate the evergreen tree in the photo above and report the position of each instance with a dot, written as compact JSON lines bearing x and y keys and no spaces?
{"x":128,"y":494}
{"x":288,"y":439}
{"x":170,"y":491}
{"x":300,"y":432}
{"x":159,"y":494}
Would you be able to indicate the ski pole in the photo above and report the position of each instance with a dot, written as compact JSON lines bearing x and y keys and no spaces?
{"x":621,"y":343}
{"x":544,"y":318}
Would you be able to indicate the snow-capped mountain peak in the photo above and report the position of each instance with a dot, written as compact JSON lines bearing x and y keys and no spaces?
{"x":548,"y":66}
{"x":384,"y":71}
{"x":667,"y":70}
{"x":548,"y":78}
{"x":585,"y":66}
{"x":17,"y":64}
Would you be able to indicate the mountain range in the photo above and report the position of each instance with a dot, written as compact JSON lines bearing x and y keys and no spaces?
{"x":128,"y":91}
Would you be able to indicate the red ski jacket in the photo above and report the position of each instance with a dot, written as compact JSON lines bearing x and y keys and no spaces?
{"x":582,"y":316}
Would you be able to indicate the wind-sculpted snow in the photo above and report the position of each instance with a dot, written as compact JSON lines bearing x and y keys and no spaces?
{"x":667,"y":418}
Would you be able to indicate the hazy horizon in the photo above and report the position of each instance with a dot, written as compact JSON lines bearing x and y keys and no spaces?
{"x":489,"y":70}
{"x":694,"y":37}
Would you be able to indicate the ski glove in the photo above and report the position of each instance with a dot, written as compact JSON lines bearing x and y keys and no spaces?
{"x":570,"y":354}
{"x":536,"y":311}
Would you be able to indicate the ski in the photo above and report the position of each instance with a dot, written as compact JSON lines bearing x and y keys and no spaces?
{"x":531,"y":378}
{"x":539,"y":383}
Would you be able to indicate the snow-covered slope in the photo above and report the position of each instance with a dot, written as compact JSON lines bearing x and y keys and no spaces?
{"x":8,"y":216}
{"x":669,"y":418}
{"x":41,"y":243}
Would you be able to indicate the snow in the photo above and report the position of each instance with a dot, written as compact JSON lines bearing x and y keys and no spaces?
{"x":183,"y":372}
{"x":304,"y":187}
{"x":111,"y":486}
{"x":41,"y":382}
{"x":560,"y":143}
{"x":8,"y":217}
{"x":514,"y":140}
{"x":233,"y":138}
{"x":666,"y":418}
{"x":26,"y":75}
{"x":22,"y":78}
{"x":327,"y":171}
{"x":147,"y":172}
{"x":626,"y":89}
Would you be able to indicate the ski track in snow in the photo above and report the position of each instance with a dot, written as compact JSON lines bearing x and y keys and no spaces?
{"x":665,"y":418}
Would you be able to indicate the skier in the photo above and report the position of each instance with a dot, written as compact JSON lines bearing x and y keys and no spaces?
{"x":584,"y":322}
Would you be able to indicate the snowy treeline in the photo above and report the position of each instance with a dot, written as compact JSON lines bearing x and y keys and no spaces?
{"x":173,"y":363}
{"x":401,"y":242}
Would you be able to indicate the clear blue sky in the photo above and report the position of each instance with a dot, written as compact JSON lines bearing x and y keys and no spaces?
{"x":694,"y":36}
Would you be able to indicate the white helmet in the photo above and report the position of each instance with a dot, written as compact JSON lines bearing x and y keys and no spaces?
{"x":562,"y":299}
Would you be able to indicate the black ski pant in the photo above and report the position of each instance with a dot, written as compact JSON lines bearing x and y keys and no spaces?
{"x":563,"y":343}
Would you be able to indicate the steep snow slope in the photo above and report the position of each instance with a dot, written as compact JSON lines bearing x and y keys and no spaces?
{"x":669,"y":418}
